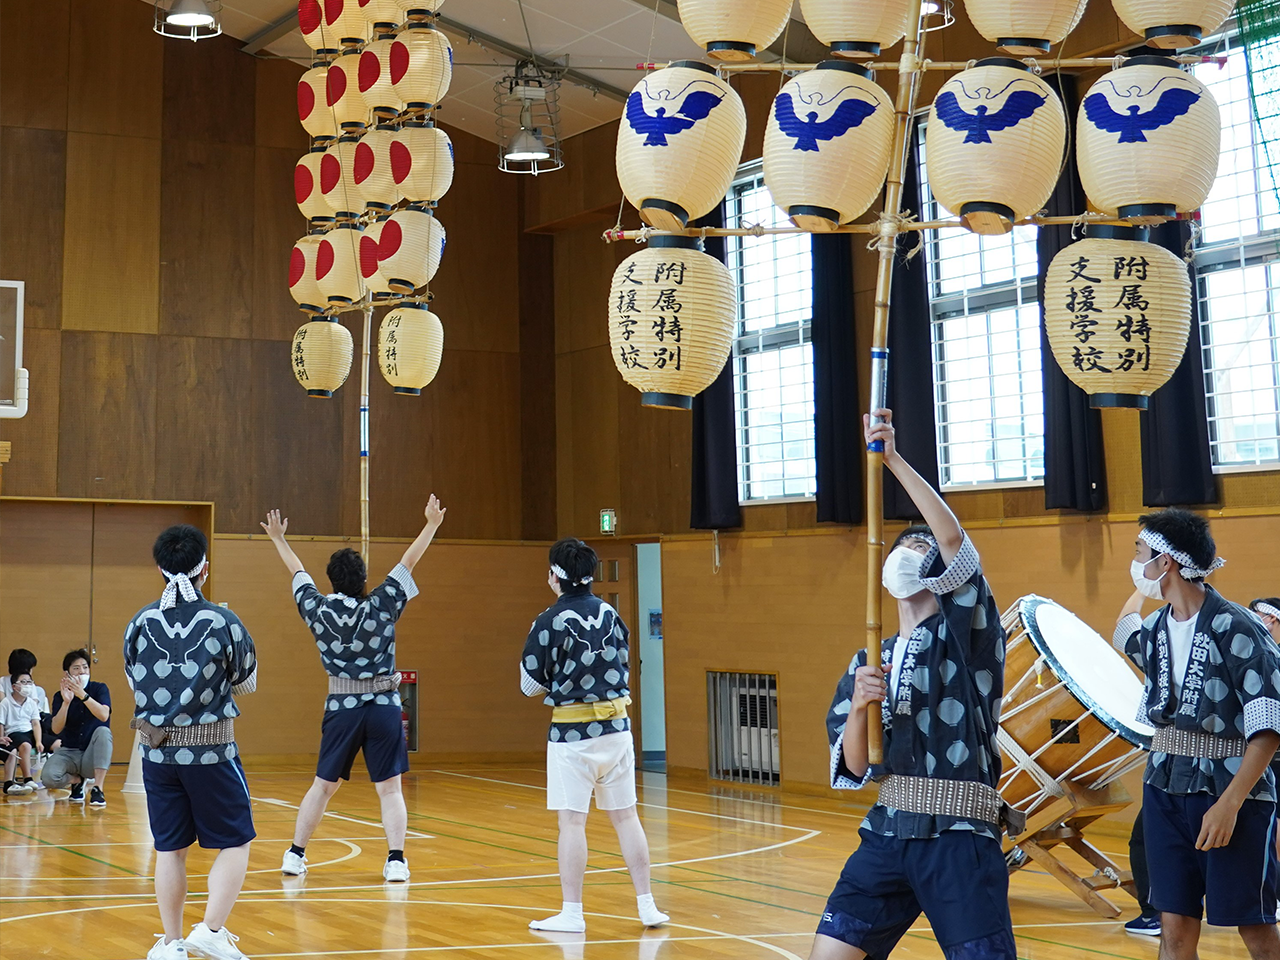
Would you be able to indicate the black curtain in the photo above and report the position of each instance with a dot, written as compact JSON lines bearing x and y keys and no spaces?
{"x":837,"y":404}
{"x":1075,"y":476}
{"x":714,"y":497}
{"x":1177,"y":469}
{"x":910,"y":356}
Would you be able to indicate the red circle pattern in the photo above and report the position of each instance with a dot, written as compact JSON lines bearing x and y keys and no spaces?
{"x":370,"y":70}
{"x":389,"y":242}
{"x":335,"y":84}
{"x":399,"y":61}
{"x":297,"y":266}
{"x":303,"y":182}
{"x":330,"y":173}
{"x":324,"y":259}
{"x":401,"y":162}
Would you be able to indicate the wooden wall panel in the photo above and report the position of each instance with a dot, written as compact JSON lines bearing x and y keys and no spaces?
{"x":655,"y":465}
{"x":111,"y":252}
{"x":116,"y":69}
{"x":33,"y":70}
{"x":277,"y":225}
{"x":537,"y":387}
{"x":33,"y":176}
{"x":587,"y":441}
{"x":210,"y":92}
{"x":206,"y":239}
{"x":107,"y":433}
{"x":33,"y":471}
{"x":276,"y":106}
{"x":584,"y":266}
{"x":588,"y":183}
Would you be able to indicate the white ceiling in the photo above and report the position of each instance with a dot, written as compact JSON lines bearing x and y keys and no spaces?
{"x":602,"y":40}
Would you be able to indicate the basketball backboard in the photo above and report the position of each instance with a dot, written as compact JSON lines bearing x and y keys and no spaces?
{"x":13,"y":378}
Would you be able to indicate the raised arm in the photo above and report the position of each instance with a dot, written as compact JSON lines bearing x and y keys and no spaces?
{"x":946,"y":528}
{"x":275,"y":528}
{"x":435,"y":516}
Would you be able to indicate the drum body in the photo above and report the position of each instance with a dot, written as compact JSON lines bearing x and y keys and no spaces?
{"x":1070,"y":707}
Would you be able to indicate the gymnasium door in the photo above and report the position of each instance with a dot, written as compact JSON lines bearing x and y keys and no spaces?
{"x":647,"y":636}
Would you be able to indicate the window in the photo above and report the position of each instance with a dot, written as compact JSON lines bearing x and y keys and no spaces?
{"x":1237,"y":259}
{"x":988,"y":394}
{"x":772,"y":352}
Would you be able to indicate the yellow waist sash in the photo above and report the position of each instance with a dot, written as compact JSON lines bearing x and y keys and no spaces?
{"x":587,"y":712}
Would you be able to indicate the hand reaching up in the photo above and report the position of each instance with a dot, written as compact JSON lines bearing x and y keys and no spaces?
{"x":275,"y":527}
{"x":434,"y":512}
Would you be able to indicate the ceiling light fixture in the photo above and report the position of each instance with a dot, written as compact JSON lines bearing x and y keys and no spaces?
{"x":527,"y":104}
{"x":188,"y":19}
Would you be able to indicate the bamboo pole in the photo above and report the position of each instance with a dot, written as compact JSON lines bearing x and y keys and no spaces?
{"x":364,"y":431}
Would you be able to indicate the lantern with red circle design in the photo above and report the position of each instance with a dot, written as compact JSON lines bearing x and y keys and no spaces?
{"x":373,"y":175}
{"x":409,"y":249}
{"x":342,"y":92}
{"x":381,"y":11}
{"x":344,"y":20}
{"x":313,"y":112}
{"x":302,"y":274}
{"x":306,"y":187}
{"x":370,"y":267}
{"x":338,"y":178}
{"x":421,"y":66}
{"x":422,"y":162}
{"x":338,"y":265}
{"x":375,"y":78}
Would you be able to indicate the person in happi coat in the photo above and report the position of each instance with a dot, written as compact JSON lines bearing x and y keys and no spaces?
{"x":1212,"y":693}
{"x":186,"y":660}
{"x":355,"y":632}
{"x":576,"y":659}
{"x":932,"y":843}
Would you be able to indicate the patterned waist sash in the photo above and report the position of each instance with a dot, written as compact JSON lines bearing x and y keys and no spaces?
{"x":589,"y":712}
{"x":967,"y":799}
{"x":192,"y":735}
{"x":1194,"y":743}
{"x":379,"y":684}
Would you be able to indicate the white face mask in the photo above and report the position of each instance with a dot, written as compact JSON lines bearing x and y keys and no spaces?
{"x":80,"y":679}
{"x":901,"y":575}
{"x":25,"y":689}
{"x":1148,"y":588}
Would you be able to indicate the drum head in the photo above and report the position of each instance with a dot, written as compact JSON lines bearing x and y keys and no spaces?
{"x":1090,"y":666}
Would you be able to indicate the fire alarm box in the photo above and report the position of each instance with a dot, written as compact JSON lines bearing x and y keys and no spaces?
{"x":409,"y":707}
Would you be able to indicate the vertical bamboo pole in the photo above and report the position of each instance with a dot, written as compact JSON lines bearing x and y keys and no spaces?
{"x":909,"y":70}
{"x":364,"y":432}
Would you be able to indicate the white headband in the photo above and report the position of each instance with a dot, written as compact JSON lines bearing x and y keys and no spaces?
{"x":561,"y":575}
{"x":180,"y":582}
{"x":1267,"y":610}
{"x":1189,"y":570}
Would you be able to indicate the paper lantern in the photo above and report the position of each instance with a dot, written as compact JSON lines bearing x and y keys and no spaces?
{"x":372,"y":169}
{"x":1173,"y":24}
{"x":380,"y":11}
{"x":1025,"y":28}
{"x":421,"y":66}
{"x":302,"y":274}
{"x":672,"y":313}
{"x":344,"y":21}
{"x":410,"y":342}
{"x":994,"y":140}
{"x":374,"y":281}
{"x":734,"y":29}
{"x":306,"y":186}
{"x":1148,"y":141}
{"x":338,"y":265}
{"x":321,"y":356}
{"x":827,"y":145}
{"x":342,"y":92}
{"x":679,"y":143}
{"x":1117,"y":312}
{"x":313,"y":113}
{"x":311,"y":25}
{"x":409,"y":249}
{"x":419,"y":8}
{"x":374,"y":78}
{"x":338,"y":177}
{"x":857,"y":29}
{"x":422,"y":162}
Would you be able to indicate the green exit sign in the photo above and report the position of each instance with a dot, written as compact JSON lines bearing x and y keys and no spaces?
{"x":608,"y":522}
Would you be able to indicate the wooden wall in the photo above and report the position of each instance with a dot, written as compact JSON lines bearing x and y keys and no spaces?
{"x":146,"y":199}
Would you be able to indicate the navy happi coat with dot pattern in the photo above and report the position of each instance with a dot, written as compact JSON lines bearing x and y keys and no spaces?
{"x":577,"y":653}
{"x":185,"y":665}
{"x":356,"y":638}
{"x":941,"y":719}
{"x":1231,"y":689}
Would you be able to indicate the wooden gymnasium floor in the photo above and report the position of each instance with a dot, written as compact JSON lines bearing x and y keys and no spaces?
{"x":743,"y":874}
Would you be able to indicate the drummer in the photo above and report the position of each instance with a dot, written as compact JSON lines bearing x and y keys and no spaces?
{"x":1213,"y":696}
{"x":932,"y":842}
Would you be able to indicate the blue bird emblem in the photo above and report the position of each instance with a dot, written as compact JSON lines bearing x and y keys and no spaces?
{"x":979,"y":125}
{"x":809,"y":131}
{"x":656,"y":127}
{"x":1134,"y":124}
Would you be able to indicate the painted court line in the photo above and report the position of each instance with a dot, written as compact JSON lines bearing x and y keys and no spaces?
{"x":339,"y":816}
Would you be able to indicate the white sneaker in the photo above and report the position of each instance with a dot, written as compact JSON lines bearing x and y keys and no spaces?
{"x":203,"y":942}
{"x":173,"y":950}
{"x":395,"y":871}
{"x":294,"y":865}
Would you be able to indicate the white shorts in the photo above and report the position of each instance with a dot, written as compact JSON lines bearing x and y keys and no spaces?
{"x":605,"y":766}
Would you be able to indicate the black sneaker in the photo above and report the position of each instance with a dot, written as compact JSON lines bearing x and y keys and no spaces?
{"x":77,"y":792}
{"x":1144,"y":926}
{"x":96,"y":797}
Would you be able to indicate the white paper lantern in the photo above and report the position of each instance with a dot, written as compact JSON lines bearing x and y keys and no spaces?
{"x":1025,"y":28}
{"x":338,"y":177}
{"x":856,"y":29}
{"x":1173,"y":24}
{"x":419,"y":8}
{"x":994,"y":139}
{"x":313,"y":111}
{"x":422,"y":162}
{"x":381,"y":11}
{"x":306,"y":186}
{"x":410,"y":342}
{"x":827,"y":145}
{"x":372,"y":172}
{"x":302,"y":274}
{"x":342,"y":92}
{"x":679,"y":143}
{"x":672,"y":314}
{"x":1148,"y":141}
{"x":410,"y":246}
{"x":338,"y":265}
{"x":734,"y":29}
{"x":344,"y":20}
{"x":421,"y":66}
{"x":321,"y":356}
{"x":311,"y":25}
{"x":370,"y":257}
{"x":374,"y":76}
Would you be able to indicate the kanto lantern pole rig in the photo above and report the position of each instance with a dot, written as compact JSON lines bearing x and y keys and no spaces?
{"x":367,"y":314}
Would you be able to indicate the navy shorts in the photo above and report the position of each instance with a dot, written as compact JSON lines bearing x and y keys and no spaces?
{"x":1231,"y":886}
{"x":208,"y":802}
{"x":377,"y":729}
{"x":959,"y":880}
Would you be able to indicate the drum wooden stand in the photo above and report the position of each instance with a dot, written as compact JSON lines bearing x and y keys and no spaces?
{"x":1062,"y":822}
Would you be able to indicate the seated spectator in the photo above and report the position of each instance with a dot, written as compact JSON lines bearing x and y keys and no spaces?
{"x":19,"y":733}
{"x":81,"y":717}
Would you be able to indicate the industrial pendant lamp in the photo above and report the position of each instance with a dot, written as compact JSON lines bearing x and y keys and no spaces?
{"x":188,"y":19}
{"x":528,"y":115}
{"x":527,"y":146}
